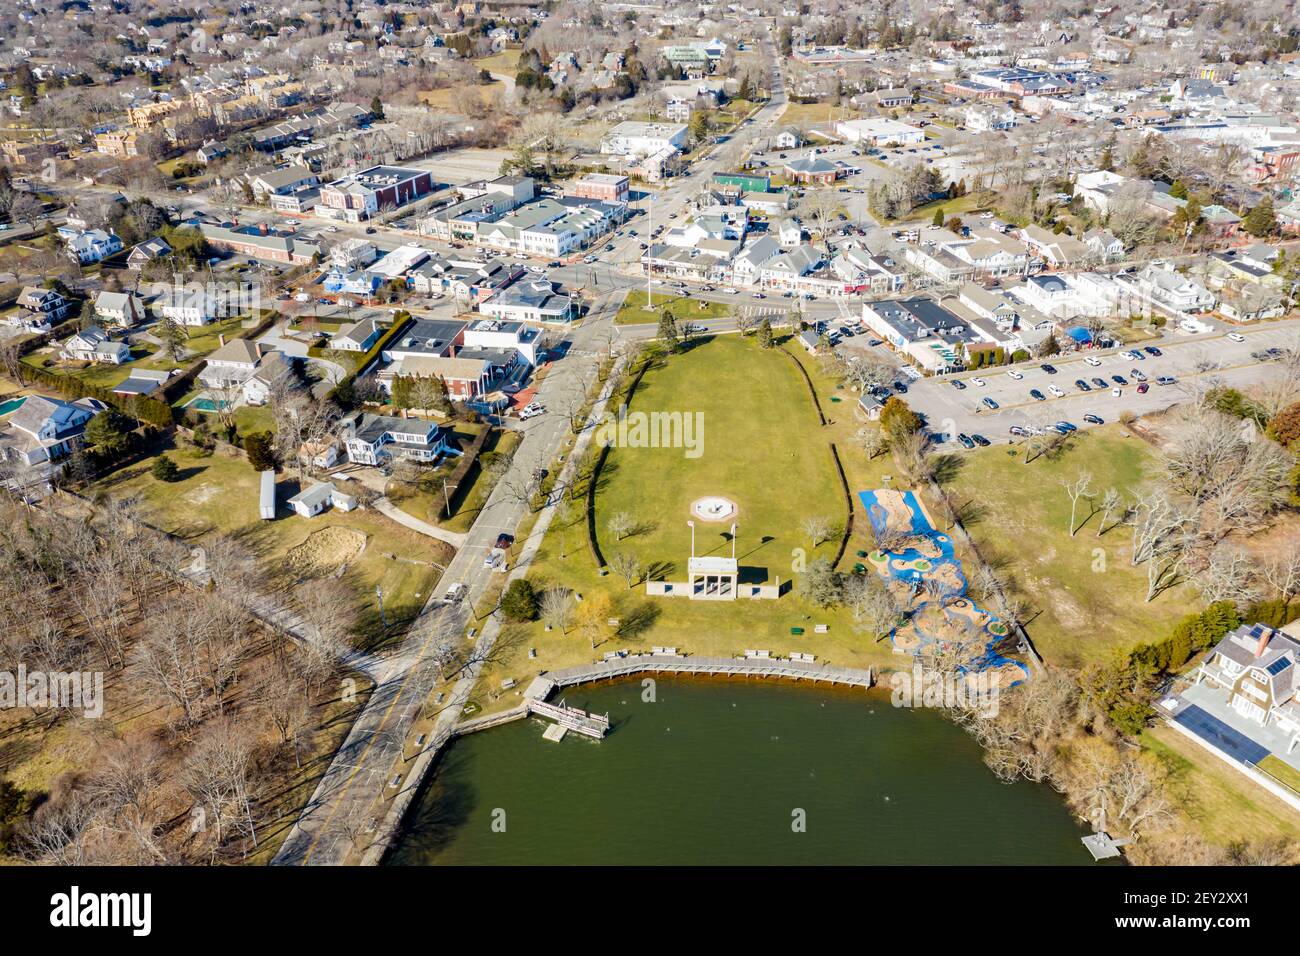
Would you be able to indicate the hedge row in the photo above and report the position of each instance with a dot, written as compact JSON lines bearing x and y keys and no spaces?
{"x":1192,"y":634}
{"x":643,"y":365}
{"x":139,"y":407}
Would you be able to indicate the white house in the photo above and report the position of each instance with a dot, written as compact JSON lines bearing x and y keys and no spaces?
{"x":123,"y":309}
{"x":186,"y":305}
{"x":231,"y":365}
{"x":986,"y":117}
{"x":375,"y":439}
{"x":789,"y":138}
{"x":93,"y":344}
{"x":312,"y":501}
{"x":44,"y":430}
{"x":92,"y":245}
{"x":357,"y":337}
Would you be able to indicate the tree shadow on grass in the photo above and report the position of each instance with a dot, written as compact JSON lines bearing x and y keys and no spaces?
{"x":947,"y":466}
{"x":972,"y":512}
{"x":639,"y":620}
{"x":659,"y":570}
{"x":763,"y":542}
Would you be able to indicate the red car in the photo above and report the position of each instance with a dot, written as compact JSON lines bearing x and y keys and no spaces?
{"x":1143,"y":388}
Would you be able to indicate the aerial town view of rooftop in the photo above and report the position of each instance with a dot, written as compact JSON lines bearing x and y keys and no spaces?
{"x":650,"y":434}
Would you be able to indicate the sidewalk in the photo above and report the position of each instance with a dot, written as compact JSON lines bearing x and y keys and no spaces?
{"x":390,"y":510}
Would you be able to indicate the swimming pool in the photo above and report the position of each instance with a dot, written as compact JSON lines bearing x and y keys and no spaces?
{"x":207,"y":405}
{"x":11,"y":406}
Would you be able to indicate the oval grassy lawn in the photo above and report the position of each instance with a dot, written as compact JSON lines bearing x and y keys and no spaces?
{"x":763,"y":447}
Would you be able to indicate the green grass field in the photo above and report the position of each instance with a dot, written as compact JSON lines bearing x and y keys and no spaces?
{"x":634,"y":311}
{"x":765,"y":449}
{"x":959,"y":207}
{"x":800,"y":114}
{"x":1222,"y":805}
{"x":1085,"y":596}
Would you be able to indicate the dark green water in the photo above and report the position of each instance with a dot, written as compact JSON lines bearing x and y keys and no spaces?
{"x":713,"y":772}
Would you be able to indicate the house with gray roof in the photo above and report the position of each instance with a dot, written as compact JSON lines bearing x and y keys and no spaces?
{"x":93,"y":344}
{"x":44,"y":430}
{"x":376,"y":439}
{"x":123,"y":309}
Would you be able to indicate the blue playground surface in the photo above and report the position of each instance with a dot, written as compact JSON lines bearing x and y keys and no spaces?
{"x":940,"y":564}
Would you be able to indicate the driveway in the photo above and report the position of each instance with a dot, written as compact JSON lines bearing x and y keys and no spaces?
{"x":277,"y":337}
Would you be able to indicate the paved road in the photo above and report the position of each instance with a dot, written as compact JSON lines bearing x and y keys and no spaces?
{"x":1193,"y":359}
{"x":340,"y":814}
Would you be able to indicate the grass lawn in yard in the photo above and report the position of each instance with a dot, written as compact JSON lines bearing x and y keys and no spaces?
{"x":218,"y":494}
{"x":254,"y":418}
{"x":798,"y":114}
{"x":765,"y":450}
{"x":1283,"y":771}
{"x":959,"y":207}
{"x":448,"y":98}
{"x":1085,"y":597}
{"x":634,"y":311}
{"x":503,"y":61}
{"x":1223,"y":805}
{"x":207,"y":338}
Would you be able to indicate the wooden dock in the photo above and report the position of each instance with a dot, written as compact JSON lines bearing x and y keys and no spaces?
{"x":542,"y":686}
{"x":571,"y":718}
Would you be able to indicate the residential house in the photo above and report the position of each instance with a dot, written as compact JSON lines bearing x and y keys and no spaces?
{"x":91,"y":245}
{"x":271,"y":372}
{"x":231,"y":365}
{"x":123,"y":309}
{"x":357,"y":336}
{"x":147,"y":251}
{"x":987,"y":118}
{"x":1104,"y":245}
{"x":44,"y":430}
{"x":42,"y":308}
{"x":1165,"y":287}
{"x":1058,"y":250}
{"x":93,"y":344}
{"x":376,"y":439}
{"x":1256,"y":667}
{"x":789,"y":138}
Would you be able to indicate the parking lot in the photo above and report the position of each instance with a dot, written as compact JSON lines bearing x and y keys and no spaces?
{"x":1192,"y":361}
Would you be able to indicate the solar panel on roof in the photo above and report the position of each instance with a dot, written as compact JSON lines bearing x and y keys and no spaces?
{"x":1278,"y":666}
